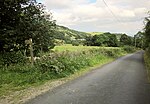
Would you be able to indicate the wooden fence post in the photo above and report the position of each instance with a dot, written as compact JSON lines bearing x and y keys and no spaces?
{"x":31,"y":51}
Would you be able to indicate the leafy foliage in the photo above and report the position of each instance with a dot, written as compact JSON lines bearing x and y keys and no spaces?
{"x":139,"y":39}
{"x":147,"y":32}
{"x":147,"y":45}
{"x":105,"y":39}
{"x":126,"y":40}
{"x":10,"y":58}
{"x":55,"y":65}
{"x":129,"y":49}
{"x":52,"y":66}
{"x":21,"y":20}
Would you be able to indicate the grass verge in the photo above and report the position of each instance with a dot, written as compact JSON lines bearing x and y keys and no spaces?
{"x":147,"y":63}
{"x":19,"y":83}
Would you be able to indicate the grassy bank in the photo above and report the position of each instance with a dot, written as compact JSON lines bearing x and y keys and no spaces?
{"x":147,"y":62}
{"x":53,"y":66}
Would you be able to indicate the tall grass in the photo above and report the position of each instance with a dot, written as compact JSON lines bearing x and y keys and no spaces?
{"x":69,"y":47}
{"x":147,"y":62}
{"x":52,"y":66}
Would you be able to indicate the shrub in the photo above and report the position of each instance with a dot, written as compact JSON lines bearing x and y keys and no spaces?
{"x":9,"y":58}
{"x":129,"y":49}
{"x":75,"y":43}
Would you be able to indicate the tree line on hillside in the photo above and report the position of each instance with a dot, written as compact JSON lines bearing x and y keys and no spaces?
{"x":109,"y":40}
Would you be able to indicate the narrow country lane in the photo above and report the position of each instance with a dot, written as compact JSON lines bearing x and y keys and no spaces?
{"x":120,"y":82}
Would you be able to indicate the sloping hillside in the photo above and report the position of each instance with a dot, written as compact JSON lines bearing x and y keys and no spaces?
{"x":68,"y":35}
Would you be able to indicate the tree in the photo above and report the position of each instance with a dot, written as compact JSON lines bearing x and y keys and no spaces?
{"x":21,"y":20}
{"x":10,"y":14}
{"x":112,"y":40}
{"x":139,"y":39}
{"x":125,"y":40}
{"x":147,"y":32}
{"x":106,"y":39}
{"x":88,"y":41}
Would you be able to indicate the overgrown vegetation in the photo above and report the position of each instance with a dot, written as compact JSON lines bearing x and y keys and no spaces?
{"x":52,"y":66}
{"x":146,"y":46}
{"x":147,"y":63}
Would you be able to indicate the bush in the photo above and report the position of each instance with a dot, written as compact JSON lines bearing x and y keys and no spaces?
{"x":66,"y":63}
{"x":9,"y":58}
{"x":129,"y":49}
{"x":75,"y":43}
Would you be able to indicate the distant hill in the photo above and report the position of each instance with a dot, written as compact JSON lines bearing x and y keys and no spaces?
{"x":68,"y":35}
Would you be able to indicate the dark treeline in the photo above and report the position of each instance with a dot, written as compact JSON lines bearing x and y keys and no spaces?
{"x":109,"y":40}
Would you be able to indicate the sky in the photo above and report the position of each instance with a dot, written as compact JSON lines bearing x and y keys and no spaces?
{"x":116,"y":16}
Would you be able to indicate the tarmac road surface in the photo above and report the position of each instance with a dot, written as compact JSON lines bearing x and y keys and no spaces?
{"x":123,"y":81}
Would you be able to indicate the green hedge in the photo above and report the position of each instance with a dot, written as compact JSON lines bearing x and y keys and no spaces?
{"x":9,"y":58}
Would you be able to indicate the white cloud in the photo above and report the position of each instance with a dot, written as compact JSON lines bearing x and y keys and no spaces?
{"x":57,"y":4}
{"x":127,"y":13}
{"x":86,"y":16}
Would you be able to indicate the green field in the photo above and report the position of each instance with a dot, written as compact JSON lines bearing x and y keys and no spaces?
{"x":69,"y":47}
{"x":95,"y":33}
